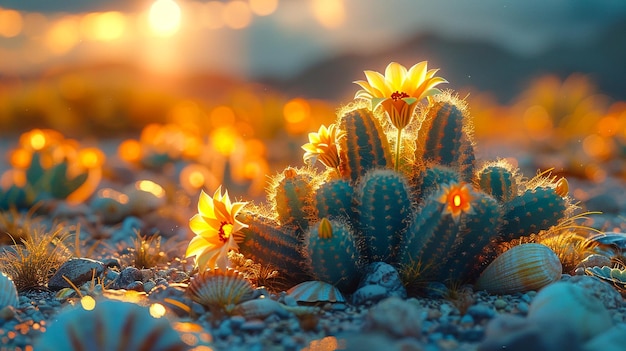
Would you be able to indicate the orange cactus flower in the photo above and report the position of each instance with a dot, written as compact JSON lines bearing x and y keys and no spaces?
{"x":457,"y":200}
{"x":323,"y":146}
{"x":216,"y":229}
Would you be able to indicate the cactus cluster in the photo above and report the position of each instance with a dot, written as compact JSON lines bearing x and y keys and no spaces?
{"x":433,"y":205}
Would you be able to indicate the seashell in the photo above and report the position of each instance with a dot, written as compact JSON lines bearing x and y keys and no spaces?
{"x":261,"y":309}
{"x":221,"y":289}
{"x":522,"y":268}
{"x":111,"y":325}
{"x":615,"y":276}
{"x":8,"y":292}
{"x":315,"y":291}
{"x":570,"y":306}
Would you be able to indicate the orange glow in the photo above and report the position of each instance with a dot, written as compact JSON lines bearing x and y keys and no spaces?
{"x":164,"y":17}
{"x":263,"y":7}
{"x":105,"y":26}
{"x":20,"y":158}
{"x":328,"y":343}
{"x":237,"y":14}
{"x":457,"y":199}
{"x":222,"y":116}
{"x":196,"y":176}
{"x":63,"y":35}
{"x":130,"y":150}
{"x":37,"y":139}
{"x":35,"y":24}
{"x":150,"y":187}
{"x":608,"y":126}
{"x":12,"y":177}
{"x":537,"y":122}
{"x":113,"y":194}
{"x":224,"y":140}
{"x":329,"y":13}
{"x":11,"y":23}
{"x":596,"y":146}
{"x":296,"y":111}
{"x":91,"y":157}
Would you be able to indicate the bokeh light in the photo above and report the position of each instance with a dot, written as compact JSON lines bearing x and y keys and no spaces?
{"x":11,"y":23}
{"x":164,"y":17}
{"x":263,"y":7}
{"x":237,"y":14}
{"x":330,"y":14}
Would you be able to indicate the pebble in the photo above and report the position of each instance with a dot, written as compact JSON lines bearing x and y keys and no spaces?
{"x":396,"y":317}
{"x":380,"y":280}
{"x":78,"y":271}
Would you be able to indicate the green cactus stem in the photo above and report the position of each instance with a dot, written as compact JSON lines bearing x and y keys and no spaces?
{"x":533,"y":211}
{"x":498,"y":179}
{"x":293,"y":200}
{"x":364,"y":146}
{"x":333,"y":253}
{"x":443,"y":138}
{"x":267,"y":243}
{"x":383,"y":204}
{"x":431,"y":179}
{"x":479,"y":228}
{"x":334,"y":199}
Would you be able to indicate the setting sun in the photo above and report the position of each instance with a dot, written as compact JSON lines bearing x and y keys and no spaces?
{"x":164,"y":17}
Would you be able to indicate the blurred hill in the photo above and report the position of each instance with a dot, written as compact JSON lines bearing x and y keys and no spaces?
{"x":476,"y":64}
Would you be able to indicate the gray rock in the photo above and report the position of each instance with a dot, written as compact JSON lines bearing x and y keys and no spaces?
{"x":515,"y":333}
{"x":610,"y":298}
{"x":380,"y":280}
{"x":613,"y":339}
{"x":396,"y":317}
{"x":78,"y":271}
{"x":127,"y":276}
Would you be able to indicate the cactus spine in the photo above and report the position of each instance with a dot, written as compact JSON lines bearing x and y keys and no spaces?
{"x":293,"y":200}
{"x":499,"y":180}
{"x":364,"y":146}
{"x":333,"y":254}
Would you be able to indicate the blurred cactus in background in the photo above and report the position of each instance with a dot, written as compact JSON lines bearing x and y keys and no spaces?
{"x":47,"y":166}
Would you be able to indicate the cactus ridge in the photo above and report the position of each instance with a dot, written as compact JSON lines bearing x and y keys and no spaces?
{"x":498,"y":181}
{"x":432,"y":177}
{"x":384,"y":206}
{"x":430,"y":235}
{"x":334,"y":259}
{"x":533,"y":211}
{"x":268,"y":243}
{"x":293,"y":200}
{"x":364,"y":145}
{"x":479,"y":228}
{"x":334,"y":199}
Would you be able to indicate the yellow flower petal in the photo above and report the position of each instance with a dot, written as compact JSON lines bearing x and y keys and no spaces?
{"x":378,"y":80}
{"x":395,"y":76}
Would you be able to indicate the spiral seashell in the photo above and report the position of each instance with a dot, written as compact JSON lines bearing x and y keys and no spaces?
{"x":8,"y":292}
{"x":261,"y":309}
{"x":220,"y":288}
{"x":315,"y":291}
{"x":111,"y":325}
{"x":522,"y":268}
{"x":615,"y":276}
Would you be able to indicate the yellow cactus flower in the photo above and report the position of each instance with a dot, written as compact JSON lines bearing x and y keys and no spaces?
{"x":216,"y":229}
{"x":323,"y":146}
{"x":398,"y":92}
{"x":457,"y":199}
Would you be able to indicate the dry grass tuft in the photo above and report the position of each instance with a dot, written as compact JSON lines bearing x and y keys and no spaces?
{"x":147,"y":252}
{"x":32,"y":261}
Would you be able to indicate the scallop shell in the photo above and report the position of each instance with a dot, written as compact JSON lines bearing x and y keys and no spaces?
{"x":261,"y":309}
{"x":315,"y":291}
{"x":522,"y":268}
{"x":220,"y":288}
{"x":8,"y":292}
{"x":615,"y":276}
{"x":111,"y":325}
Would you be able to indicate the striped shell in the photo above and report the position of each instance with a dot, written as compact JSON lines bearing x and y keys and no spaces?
{"x":111,"y":325}
{"x":315,"y":291}
{"x":8,"y":292}
{"x":522,"y":268}
{"x":219,"y":288}
{"x":615,"y":276}
{"x":260,"y":308}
